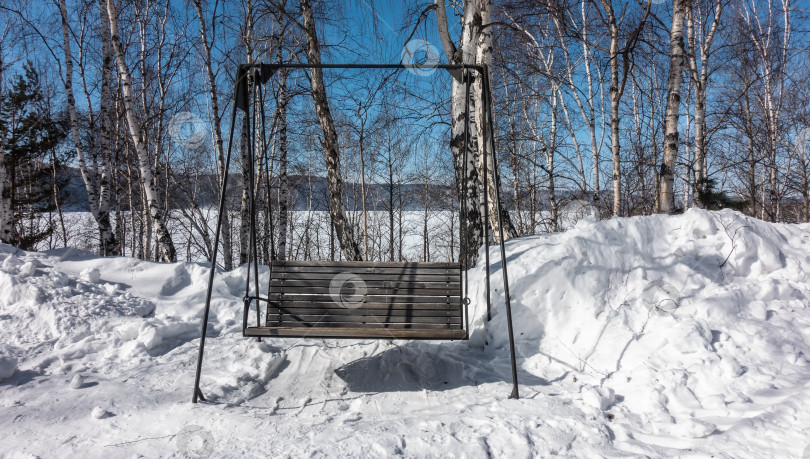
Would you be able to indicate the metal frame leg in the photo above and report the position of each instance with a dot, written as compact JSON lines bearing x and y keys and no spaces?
{"x":487,"y":97}
{"x":215,"y":249}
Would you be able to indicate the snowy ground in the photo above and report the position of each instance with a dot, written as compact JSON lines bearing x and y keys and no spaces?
{"x":653,"y":336}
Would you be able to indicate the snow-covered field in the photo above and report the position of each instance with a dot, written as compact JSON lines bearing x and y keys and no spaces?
{"x":654,"y":336}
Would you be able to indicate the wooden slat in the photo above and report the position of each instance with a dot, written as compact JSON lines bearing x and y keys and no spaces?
{"x":319,"y":299}
{"x":436,"y":310}
{"x":399,"y":307}
{"x":399,"y":276}
{"x":405,"y":290}
{"x":356,"y":333}
{"x":360,"y":313}
{"x":372,"y":325}
{"x":282,"y":283}
{"x":368,"y":264}
{"x":368,"y":319}
{"x":371,"y":270}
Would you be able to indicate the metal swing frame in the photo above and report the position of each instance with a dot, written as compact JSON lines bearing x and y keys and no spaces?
{"x":261,"y":74}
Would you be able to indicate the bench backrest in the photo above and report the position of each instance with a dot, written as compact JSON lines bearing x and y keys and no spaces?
{"x":421,"y":296}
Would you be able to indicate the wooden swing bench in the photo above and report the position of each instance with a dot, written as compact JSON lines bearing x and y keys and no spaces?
{"x":359,"y":299}
{"x":317,"y":299}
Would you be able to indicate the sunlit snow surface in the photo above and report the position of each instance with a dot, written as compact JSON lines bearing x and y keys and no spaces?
{"x":651,"y":336}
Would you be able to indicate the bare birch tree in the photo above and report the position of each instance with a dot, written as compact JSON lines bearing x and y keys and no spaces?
{"x":147,"y":175}
{"x":98,"y":200}
{"x":674,"y":81}
{"x":699,"y":15}
{"x":7,"y":232}
{"x":771,"y":50}
{"x":282,"y":100}
{"x":345,"y":234}
{"x":618,"y":80}
{"x":464,"y":54}
{"x":216,"y":121}
{"x":483,"y":56}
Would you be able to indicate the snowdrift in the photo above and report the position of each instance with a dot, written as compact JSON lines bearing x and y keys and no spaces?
{"x":650,"y":336}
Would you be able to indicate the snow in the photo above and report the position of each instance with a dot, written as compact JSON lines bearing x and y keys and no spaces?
{"x":77,"y":382}
{"x":99,"y":413}
{"x":639,"y":337}
{"x":8,"y":366}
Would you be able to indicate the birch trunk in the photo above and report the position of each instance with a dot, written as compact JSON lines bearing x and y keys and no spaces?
{"x":391,"y":246}
{"x":102,"y":221}
{"x":244,"y":145}
{"x":700,"y":77}
{"x":762,"y":36}
{"x":483,"y":131}
{"x":216,"y":118}
{"x":147,"y":178}
{"x":615,"y":98}
{"x":752,"y":157}
{"x":549,"y":151}
{"x":7,"y":233}
{"x":590,"y":119}
{"x":471,"y":200}
{"x":676,"y":61}
{"x":109,"y":243}
{"x":330,"y":141}
{"x":284,"y":181}
{"x":805,"y":191}
{"x":246,"y":163}
{"x":617,"y":85}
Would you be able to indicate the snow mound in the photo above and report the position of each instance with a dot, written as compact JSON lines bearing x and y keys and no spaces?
{"x":657,"y":336}
{"x":42,"y":303}
{"x":697,"y":323}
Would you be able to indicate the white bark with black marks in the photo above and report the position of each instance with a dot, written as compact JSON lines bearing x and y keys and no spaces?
{"x":7,"y":233}
{"x":168,"y":252}
{"x":216,"y":120}
{"x":615,"y":99}
{"x":698,"y":53}
{"x":107,"y":237}
{"x":244,"y":144}
{"x":674,"y":82}
{"x":483,"y":22}
{"x":618,"y":80}
{"x":283,"y":178}
{"x":465,"y":54}
{"x":109,"y":243}
{"x":343,"y":229}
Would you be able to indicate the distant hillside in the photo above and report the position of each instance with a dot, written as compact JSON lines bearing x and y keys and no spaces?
{"x":307,"y":192}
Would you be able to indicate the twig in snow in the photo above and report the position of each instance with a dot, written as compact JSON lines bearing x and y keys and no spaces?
{"x":732,"y":237}
{"x":582,"y":361}
{"x":142,"y":439}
